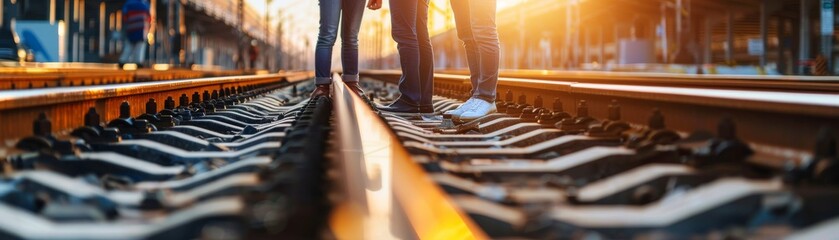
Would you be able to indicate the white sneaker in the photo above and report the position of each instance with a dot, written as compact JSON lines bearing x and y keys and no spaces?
{"x":479,"y":109}
{"x":462,"y":108}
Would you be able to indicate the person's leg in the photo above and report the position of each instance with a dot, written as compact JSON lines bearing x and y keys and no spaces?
{"x":463,"y":21}
{"x":127,"y":48}
{"x":426,"y":60}
{"x":403,"y":14}
{"x":330,"y":13}
{"x":353,"y":10}
{"x":482,"y":13}
{"x":140,"y":52}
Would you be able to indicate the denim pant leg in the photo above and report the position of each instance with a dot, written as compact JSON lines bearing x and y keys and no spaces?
{"x":426,"y":66}
{"x":485,"y":34}
{"x":403,"y":15}
{"x":463,"y":22}
{"x":140,"y":52}
{"x":353,"y":10}
{"x":127,"y":50}
{"x":330,"y":15}
{"x":486,"y":38}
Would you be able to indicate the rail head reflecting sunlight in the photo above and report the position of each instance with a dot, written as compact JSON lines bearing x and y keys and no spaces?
{"x":388,"y":195}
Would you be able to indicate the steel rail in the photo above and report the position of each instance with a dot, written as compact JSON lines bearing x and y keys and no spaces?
{"x":380,"y":183}
{"x":66,"y":106}
{"x":723,"y":81}
{"x":29,"y":78}
{"x":775,"y":118}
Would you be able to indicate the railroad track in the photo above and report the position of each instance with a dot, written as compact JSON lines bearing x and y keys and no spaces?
{"x":573,"y":160}
{"x":243,"y":164}
{"x":68,"y":105}
{"x":747,"y":82}
{"x":689,"y":103}
{"x":266,"y":162}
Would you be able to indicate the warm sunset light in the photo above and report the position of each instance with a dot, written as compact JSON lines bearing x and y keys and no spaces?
{"x":300,"y":18}
{"x":419,"y":119}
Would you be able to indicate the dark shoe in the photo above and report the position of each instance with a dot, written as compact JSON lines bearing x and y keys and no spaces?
{"x":426,"y":109}
{"x":399,"y":106}
{"x":353,"y":86}
{"x":321,"y":90}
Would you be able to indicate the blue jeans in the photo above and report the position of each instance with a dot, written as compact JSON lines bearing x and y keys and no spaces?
{"x":475,"y":21}
{"x":409,"y":19}
{"x":330,"y":16}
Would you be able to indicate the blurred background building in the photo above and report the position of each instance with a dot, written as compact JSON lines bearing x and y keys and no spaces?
{"x":206,"y":33}
{"x":691,"y":36}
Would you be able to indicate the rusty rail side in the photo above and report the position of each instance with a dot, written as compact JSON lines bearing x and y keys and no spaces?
{"x":66,"y":106}
{"x":718,"y":81}
{"x":11,"y":79}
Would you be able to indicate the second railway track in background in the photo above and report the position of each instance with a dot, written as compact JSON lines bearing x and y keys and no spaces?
{"x":67,"y":105}
{"x":98,"y":74}
{"x":565,"y":158}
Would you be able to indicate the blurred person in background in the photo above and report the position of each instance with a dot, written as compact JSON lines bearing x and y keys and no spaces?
{"x":348,"y":14}
{"x":547,"y":50}
{"x":136,"y":20}
{"x":475,"y":22}
{"x":410,"y":31}
{"x":253,"y":54}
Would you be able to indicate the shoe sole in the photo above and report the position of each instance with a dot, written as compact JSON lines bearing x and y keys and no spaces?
{"x":463,"y":120}
{"x":402,"y":114}
{"x":454,"y":114}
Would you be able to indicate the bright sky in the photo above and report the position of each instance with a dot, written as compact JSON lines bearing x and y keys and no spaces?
{"x":277,"y":4}
{"x":307,"y":10}
{"x":300,"y":17}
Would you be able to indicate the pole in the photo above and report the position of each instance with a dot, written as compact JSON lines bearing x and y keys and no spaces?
{"x":577,"y":32}
{"x":240,"y":60}
{"x":664,"y":48}
{"x":601,"y":55}
{"x":267,"y":34}
{"x":708,"y":38}
{"x":182,"y":44}
{"x":170,"y":29}
{"x":763,"y":32}
{"x":617,"y":42}
{"x":804,"y":42}
{"x":729,"y":38}
{"x":782,"y":46}
{"x":587,"y":46}
{"x":679,"y":25}
{"x":569,"y":45}
{"x":523,"y":50}
{"x":827,"y":33}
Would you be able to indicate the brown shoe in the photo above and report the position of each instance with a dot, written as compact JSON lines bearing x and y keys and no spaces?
{"x":353,"y":86}
{"x":321,"y":90}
